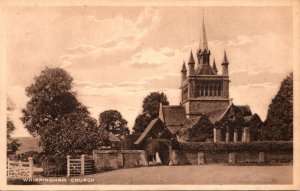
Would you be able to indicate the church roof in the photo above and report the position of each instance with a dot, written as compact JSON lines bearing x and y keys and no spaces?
{"x":147,"y":130}
{"x":157,"y":122}
{"x":173,"y":116}
{"x":205,"y":69}
{"x":217,"y":115}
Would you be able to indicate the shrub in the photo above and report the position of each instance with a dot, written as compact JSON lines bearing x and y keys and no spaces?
{"x":54,"y":166}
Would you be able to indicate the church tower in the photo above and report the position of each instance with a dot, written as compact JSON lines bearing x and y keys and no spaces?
{"x":202,"y":89}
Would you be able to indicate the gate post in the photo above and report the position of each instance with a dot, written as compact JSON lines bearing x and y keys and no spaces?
{"x":30,"y":159}
{"x":68,"y":166}
{"x":82,"y":164}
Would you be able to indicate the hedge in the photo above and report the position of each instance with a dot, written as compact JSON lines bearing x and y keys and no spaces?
{"x":239,"y":146}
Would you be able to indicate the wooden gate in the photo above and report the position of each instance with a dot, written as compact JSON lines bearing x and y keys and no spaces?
{"x":19,"y":169}
{"x":81,"y":166}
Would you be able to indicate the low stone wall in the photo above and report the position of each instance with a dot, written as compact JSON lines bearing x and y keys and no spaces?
{"x":114,"y":159}
{"x":207,"y":157}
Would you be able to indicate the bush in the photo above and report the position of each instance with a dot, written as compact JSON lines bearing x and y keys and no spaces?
{"x":54,"y":166}
{"x":230,"y":147}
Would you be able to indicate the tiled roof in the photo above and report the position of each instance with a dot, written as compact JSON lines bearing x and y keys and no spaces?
{"x":174,"y":128}
{"x":216,"y":115}
{"x":153,"y":123}
{"x":190,"y":122}
{"x":205,"y":69}
{"x":174,"y":115}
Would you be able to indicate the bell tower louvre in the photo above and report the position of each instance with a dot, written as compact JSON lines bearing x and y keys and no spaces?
{"x":202,"y":89}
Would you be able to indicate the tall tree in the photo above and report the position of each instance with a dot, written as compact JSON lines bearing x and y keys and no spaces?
{"x":279,"y":122}
{"x":54,"y":113}
{"x":113,"y":121}
{"x":150,"y":110}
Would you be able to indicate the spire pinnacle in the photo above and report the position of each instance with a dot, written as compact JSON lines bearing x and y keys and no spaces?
{"x":225,"y":61}
{"x":183,"y":67}
{"x":191,"y":60}
{"x":215,"y":67}
{"x":203,"y":41}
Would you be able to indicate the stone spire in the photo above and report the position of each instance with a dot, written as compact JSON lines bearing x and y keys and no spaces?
{"x":183,"y":72}
{"x":203,"y":52}
{"x":225,"y":60}
{"x":215,"y":67}
{"x":204,"y":45}
{"x":183,"y":67}
{"x":191,"y":64}
{"x":225,"y":64}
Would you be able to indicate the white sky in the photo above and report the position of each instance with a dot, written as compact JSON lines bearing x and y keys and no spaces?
{"x":117,"y":55}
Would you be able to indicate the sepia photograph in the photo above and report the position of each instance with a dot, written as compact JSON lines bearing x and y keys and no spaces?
{"x":190,"y":94}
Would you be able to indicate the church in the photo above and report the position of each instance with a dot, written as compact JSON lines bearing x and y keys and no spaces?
{"x":205,"y":113}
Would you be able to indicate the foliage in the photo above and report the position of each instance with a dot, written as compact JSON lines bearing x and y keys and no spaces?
{"x":141,"y":122}
{"x":232,"y":119}
{"x":113,"y":121}
{"x":12,"y":144}
{"x":150,"y":110}
{"x":255,"y":127}
{"x":34,"y":154}
{"x":54,"y":166}
{"x":200,"y":131}
{"x":239,"y":146}
{"x":279,"y":121}
{"x":54,"y":113}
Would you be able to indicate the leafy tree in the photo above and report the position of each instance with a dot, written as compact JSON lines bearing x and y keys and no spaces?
{"x":12,"y":144}
{"x":113,"y":121}
{"x":150,"y":110}
{"x":279,"y":122}
{"x":54,"y":113}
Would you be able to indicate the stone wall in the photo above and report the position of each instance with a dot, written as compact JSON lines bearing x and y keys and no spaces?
{"x":114,"y":159}
{"x":208,"y":157}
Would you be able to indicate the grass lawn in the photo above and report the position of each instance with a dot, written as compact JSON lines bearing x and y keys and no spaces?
{"x":206,"y":174}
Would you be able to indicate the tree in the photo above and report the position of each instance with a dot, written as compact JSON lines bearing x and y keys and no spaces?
{"x":54,"y":113}
{"x":113,"y":121}
{"x":150,"y":110}
{"x":279,"y":122}
{"x":12,"y":144}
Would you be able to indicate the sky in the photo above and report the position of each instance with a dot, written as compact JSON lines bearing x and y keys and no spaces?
{"x":118,"y":55}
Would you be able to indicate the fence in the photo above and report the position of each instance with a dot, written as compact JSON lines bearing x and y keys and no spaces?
{"x":19,"y":169}
{"x":81,"y":166}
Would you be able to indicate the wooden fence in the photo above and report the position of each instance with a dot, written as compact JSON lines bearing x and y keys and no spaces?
{"x":19,"y":169}
{"x":79,"y":166}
